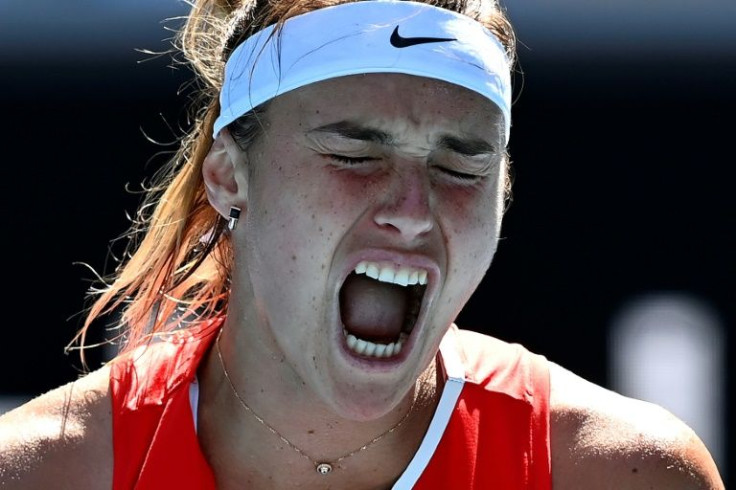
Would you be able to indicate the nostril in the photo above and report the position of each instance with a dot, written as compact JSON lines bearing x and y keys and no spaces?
{"x":407,"y":225}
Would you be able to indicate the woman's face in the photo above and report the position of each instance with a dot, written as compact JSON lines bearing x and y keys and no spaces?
{"x":392,"y":176}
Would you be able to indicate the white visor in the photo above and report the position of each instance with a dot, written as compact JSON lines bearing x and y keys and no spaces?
{"x":372,"y":36}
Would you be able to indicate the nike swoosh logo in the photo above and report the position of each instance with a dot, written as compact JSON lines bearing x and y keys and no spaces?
{"x":398,"y":41}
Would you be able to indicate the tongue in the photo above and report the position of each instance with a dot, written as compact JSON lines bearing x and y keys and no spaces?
{"x":373,"y":310}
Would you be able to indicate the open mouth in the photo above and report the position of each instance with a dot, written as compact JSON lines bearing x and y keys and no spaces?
{"x":379,"y":306}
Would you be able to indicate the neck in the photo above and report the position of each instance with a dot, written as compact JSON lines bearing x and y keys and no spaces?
{"x":243,"y":448}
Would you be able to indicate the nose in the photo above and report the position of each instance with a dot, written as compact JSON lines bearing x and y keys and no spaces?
{"x":407,"y":208}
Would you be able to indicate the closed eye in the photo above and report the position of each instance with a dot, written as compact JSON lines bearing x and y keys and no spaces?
{"x":461,"y":176}
{"x":349,"y":160}
{"x":465,"y":171}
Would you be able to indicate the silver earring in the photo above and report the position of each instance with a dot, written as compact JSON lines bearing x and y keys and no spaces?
{"x":232,"y":222}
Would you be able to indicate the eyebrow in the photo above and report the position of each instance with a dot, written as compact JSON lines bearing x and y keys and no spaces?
{"x":467,"y":146}
{"x":354,"y":131}
{"x":464,"y":146}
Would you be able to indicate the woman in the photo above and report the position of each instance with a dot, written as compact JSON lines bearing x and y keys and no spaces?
{"x":288,"y":305}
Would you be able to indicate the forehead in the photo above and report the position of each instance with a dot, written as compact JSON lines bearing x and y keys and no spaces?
{"x":391,"y":98}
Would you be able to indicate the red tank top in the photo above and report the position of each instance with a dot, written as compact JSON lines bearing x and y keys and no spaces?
{"x":490,"y":429}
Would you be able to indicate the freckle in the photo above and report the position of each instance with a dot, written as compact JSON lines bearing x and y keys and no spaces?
{"x":310,"y":431}
{"x":320,"y":229}
{"x":312,"y":216}
{"x":293,"y":257}
{"x":262,"y":390}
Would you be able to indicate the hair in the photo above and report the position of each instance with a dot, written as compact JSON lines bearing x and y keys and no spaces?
{"x":175,"y":272}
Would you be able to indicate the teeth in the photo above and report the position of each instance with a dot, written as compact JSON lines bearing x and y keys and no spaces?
{"x":372,"y":349}
{"x":380,"y":350}
{"x":404,"y":276}
{"x":422,"y":277}
{"x":371,"y":270}
{"x":387,"y":275}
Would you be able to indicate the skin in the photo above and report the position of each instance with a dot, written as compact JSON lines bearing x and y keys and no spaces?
{"x":401,"y":205}
{"x":402,"y":201}
{"x":426,"y":189}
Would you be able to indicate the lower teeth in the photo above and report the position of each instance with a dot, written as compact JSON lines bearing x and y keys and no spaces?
{"x":372,"y":349}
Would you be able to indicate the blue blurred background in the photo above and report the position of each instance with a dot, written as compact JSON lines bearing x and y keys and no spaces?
{"x":617,"y":259}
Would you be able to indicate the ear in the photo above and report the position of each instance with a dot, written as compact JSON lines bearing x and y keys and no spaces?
{"x":225,"y":174}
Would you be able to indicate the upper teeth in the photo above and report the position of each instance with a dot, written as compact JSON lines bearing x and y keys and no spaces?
{"x":403,"y":276}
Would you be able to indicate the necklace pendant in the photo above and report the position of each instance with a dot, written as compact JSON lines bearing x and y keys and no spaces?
{"x":324,"y":468}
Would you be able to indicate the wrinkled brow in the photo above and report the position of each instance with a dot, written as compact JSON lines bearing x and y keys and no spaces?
{"x":354,"y":131}
{"x":464,"y":146}
{"x":467,"y":146}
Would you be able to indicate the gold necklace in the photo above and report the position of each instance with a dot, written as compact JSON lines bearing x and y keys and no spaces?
{"x":322,"y":467}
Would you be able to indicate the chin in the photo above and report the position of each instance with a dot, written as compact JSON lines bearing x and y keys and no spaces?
{"x":364,"y":398}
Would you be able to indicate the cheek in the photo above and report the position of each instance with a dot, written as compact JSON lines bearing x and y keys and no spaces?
{"x":474,"y":243}
{"x":297,"y":215}
{"x":471,"y":224}
{"x":474,"y":211}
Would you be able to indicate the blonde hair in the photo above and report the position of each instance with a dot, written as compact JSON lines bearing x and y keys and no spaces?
{"x":175,"y":271}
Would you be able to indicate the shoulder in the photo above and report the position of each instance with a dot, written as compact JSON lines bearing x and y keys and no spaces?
{"x":61,"y":439}
{"x":501,"y":367}
{"x":604,"y":440}
{"x":161,"y":365}
{"x":483,"y":352}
